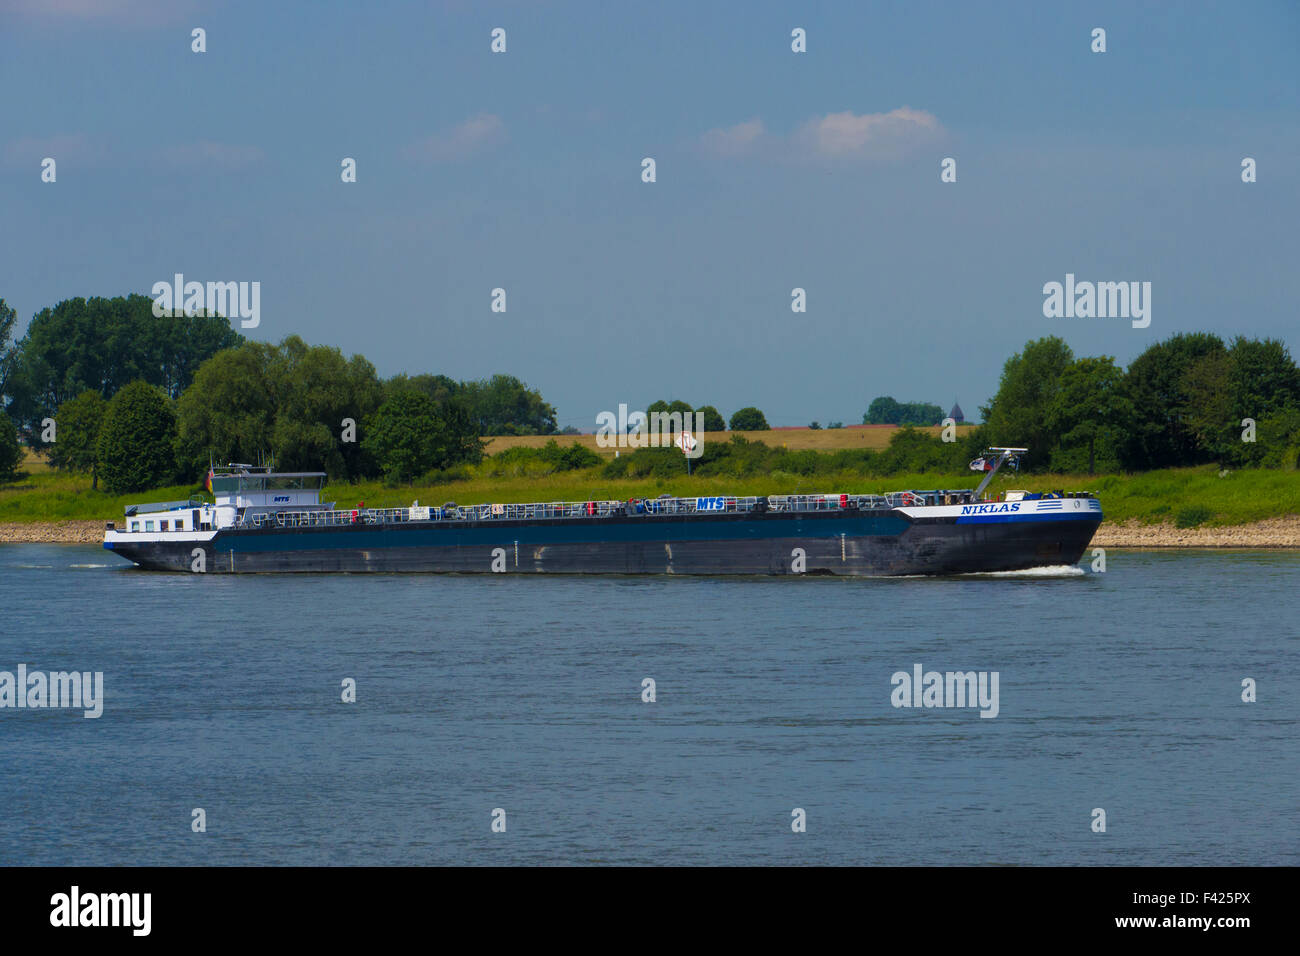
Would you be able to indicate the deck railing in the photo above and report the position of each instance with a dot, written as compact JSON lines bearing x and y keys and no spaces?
{"x":649,"y":507}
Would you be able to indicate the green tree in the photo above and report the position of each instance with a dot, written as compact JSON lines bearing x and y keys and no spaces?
{"x":713,"y":420}
{"x":317,"y":390}
{"x":8,"y":350}
{"x":1207,"y":416}
{"x":1089,"y":406}
{"x":412,"y":434}
{"x":1263,"y":384}
{"x":1018,"y":414}
{"x":228,"y":413}
{"x":1158,"y":435}
{"x":921,"y":413}
{"x":289,"y":401}
{"x":137,"y":438}
{"x":185,"y":342}
{"x":748,"y":419}
{"x":883,"y":410}
{"x":78,"y":422}
{"x":102,"y":344}
{"x":438,"y":387}
{"x":665,"y":409}
{"x":1263,"y":378}
{"x":11,"y":453}
{"x":1278,"y":440}
{"x":503,"y":405}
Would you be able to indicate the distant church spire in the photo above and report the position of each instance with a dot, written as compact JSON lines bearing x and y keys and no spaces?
{"x":956,"y":413}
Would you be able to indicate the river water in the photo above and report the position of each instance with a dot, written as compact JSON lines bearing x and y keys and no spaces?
{"x":1119,"y":691}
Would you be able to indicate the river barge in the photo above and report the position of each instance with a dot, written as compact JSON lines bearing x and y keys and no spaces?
{"x":266,"y":521}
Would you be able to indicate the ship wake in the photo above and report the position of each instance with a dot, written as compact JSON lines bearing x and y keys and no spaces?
{"x":1051,"y":571}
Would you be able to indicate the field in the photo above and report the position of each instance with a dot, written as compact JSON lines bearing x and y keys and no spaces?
{"x":795,"y":439}
{"x":34,"y":464}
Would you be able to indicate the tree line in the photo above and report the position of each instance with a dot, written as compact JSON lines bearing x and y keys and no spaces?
{"x":745,"y":419}
{"x":139,"y":401}
{"x":1190,"y":399}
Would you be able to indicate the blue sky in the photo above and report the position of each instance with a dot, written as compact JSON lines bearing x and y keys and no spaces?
{"x":775,"y":170}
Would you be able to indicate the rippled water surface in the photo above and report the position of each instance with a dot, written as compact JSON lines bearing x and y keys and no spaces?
{"x":1119,"y":691}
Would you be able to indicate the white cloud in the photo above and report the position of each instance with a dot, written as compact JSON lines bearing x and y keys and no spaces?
{"x":460,"y":142}
{"x":873,"y":135}
{"x":74,"y":149}
{"x":733,"y":140}
{"x":834,"y":136}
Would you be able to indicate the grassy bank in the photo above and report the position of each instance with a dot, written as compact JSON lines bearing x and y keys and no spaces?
{"x":1187,"y":496}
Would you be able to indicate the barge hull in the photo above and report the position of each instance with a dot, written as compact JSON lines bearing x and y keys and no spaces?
{"x":887,"y":544}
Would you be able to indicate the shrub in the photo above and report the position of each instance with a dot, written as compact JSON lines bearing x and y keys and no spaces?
{"x":550,"y":458}
{"x":412,"y":433}
{"x":1192,"y":516}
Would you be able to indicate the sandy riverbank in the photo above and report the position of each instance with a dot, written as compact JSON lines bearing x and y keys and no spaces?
{"x":53,"y":532}
{"x":1274,"y":533}
{"x":1281,"y":532}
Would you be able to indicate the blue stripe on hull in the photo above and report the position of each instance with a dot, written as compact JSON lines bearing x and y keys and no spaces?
{"x":1050,"y":516}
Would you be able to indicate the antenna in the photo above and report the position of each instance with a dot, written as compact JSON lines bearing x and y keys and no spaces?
{"x":1004,"y":455}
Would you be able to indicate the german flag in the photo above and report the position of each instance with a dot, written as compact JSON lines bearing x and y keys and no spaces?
{"x":207,"y":482}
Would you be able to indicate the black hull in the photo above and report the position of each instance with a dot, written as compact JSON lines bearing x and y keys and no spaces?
{"x":890,"y":543}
